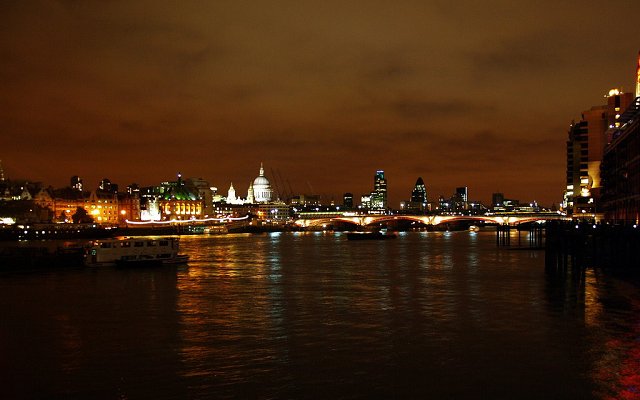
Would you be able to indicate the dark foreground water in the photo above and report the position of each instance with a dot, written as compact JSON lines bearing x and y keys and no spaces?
{"x":429,"y":315}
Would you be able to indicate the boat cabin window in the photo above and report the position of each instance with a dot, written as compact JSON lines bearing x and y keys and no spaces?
{"x":138,"y":244}
{"x":164,"y":243}
{"x":105,"y":245}
{"x":125,"y":244}
{"x":151,"y":244}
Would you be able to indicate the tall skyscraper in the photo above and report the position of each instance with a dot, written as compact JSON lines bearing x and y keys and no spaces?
{"x":419,"y":193}
{"x":418,"y":201}
{"x":461,"y":198}
{"x":379,"y":194}
{"x":497,"y":199}
{"x":347,"y":201}
{"x":107,"y":186}
{"x":1,"y":172}
{"x":585,"y":148}
{"x":463,"y":193}
{"x":76,"y":183}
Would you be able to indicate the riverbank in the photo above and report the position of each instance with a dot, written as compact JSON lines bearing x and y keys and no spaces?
{"x":570,"y":244}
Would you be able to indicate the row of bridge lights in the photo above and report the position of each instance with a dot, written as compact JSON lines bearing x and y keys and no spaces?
{"x":635,"y":226}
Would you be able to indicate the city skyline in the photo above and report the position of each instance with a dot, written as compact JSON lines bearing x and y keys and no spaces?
{"x":460,"y":95}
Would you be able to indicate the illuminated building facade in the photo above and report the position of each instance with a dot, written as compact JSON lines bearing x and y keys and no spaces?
{"x":204,"y":191}
{"x":585,"y":148}
{"x":177,"y":201}
{"x":65,"y":202}
{"x":231,"y":196}
{"x":259,"y":192}
{"x":305,"y":200}
{"x":378,"y":200}
{"x":621,"y":169}
{"x":128,"y":207}
{"x":261,"y":188}
{"x":365,"y":201}
{"x":274,"y":212}
{"x":102,"y":206}
{"x":461,"y":198}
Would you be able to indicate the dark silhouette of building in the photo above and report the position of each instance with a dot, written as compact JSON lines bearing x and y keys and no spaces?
{"x":76,"y":183}
{"x":347,"y":201}
{"x":418,"y":202}
{"x":497,"y":200}
{"x":621,"y":169}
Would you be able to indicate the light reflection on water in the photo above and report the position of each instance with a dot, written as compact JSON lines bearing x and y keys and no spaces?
{"x":312,"y":315}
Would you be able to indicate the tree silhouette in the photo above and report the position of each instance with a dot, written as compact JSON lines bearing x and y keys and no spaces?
{"x":81,"y":216}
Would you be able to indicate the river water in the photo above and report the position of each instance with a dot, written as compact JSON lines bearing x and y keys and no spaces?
{"x":312,"y":315}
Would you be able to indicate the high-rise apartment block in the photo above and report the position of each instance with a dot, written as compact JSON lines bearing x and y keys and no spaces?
{"x":585,"y":147}
{"x":621,"y":164}
{"x":621,"y":169}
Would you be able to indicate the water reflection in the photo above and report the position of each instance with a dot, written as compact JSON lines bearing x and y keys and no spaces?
{"x":607,"y":303}
{"x":615,"y":334}
{"x":87,"y":333}
{"x":304,"y":307}
{"x":430,"y":314}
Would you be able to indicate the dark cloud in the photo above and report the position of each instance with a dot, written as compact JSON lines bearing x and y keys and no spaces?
{"x":410,"y":108}
{"x":519,"y":56}
{"x":460,"y":93}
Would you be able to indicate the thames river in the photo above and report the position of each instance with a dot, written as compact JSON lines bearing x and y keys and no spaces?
{"x":311,"y":315}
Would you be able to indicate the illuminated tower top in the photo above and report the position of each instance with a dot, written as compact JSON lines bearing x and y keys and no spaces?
{"x":638,"y":77}
{"x":419,"y":193}
{"x":1,"y":172}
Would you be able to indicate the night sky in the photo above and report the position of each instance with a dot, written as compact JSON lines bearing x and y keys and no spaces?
{"x":324,"y":93}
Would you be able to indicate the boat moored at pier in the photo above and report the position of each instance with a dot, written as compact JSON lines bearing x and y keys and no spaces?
{"x":135,"y":252}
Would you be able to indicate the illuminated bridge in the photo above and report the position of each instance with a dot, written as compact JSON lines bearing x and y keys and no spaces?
{"x":319,"y":219}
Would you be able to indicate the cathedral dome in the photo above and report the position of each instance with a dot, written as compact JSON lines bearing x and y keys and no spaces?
{"x":262,"y":192}
{"x":261,"y":181}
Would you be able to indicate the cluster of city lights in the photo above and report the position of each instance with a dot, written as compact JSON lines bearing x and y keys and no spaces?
{"x":187,"y":221}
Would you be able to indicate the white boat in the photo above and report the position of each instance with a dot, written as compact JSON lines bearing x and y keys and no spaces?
{"x":371,"y":235}
{"x":135,"y":252}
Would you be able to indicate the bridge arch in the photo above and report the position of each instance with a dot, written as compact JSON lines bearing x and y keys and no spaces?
{"x":367,"y":220}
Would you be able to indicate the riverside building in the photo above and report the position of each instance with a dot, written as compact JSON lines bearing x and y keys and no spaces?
{"x":585,"y":149}
{"x":621,"y":165}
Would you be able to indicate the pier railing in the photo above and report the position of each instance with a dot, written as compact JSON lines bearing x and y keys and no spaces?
{"x":531,"y":236}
